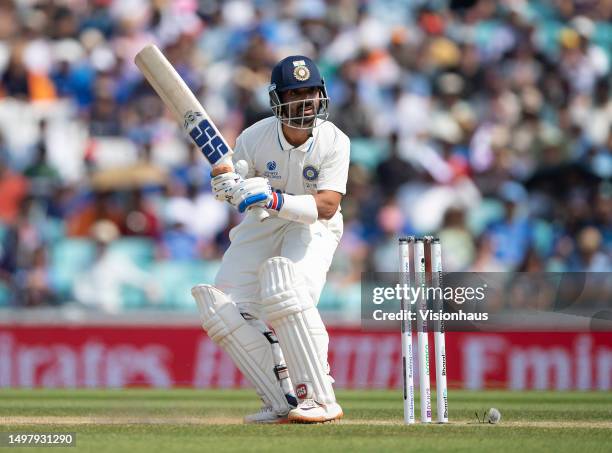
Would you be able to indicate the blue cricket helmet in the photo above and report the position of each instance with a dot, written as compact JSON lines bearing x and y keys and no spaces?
{"x":294,"y":72}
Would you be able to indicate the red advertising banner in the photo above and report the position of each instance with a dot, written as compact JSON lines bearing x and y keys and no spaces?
{"x":161,"y":356}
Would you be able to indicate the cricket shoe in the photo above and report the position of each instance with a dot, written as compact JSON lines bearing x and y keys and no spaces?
{"x":309,"y":411}
{"x":266,"y":415}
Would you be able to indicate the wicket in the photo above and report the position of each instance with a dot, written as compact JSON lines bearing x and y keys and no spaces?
{"x":421,"y":252}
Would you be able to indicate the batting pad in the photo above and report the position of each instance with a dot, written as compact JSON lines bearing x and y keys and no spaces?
{"x":281,"y":371}
{"x":247,"y":347}
{"x":303,"y":338}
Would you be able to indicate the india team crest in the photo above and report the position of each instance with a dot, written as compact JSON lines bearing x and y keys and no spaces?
{"x":301,"y":71}
{"x":310,"y":173}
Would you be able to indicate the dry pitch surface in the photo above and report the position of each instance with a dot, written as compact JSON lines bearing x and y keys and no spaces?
{"x":197,"y":420}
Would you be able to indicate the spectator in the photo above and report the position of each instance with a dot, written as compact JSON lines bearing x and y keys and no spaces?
{"x":101,"y":285}
{"x":104,"y":206}
{"x":459,"y":249}
{"x":394,"y":171}
{"x":42,"y":175}
{"x":589,"y":256}
{"x":13,"y":188}
{"x":141,"y":218}
{"x":511,"y":236}
{"x":36,"y":287}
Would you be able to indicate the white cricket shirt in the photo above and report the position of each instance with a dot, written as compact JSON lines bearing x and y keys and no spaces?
{"x":321,"y":163}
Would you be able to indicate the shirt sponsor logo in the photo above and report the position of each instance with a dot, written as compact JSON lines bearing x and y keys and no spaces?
{"x":271,"y":172}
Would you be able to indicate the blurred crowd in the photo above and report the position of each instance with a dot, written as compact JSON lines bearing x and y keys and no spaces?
{"x":485,"y":122}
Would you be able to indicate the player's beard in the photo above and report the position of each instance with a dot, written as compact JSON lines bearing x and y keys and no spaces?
{"x":299,"y":109}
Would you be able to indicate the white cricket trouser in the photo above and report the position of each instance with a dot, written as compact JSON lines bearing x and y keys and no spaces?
{"x":310,"y":247}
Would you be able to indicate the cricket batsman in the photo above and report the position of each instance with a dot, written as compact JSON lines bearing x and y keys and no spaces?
{"x":272,"y":274}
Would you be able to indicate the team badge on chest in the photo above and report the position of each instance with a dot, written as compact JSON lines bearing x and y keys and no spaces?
{"x":310,"y":173}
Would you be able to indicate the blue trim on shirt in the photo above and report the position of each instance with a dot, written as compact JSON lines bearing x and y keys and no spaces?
{"x":279,"y":140}
{"x":310,"y":146}
{"x":279,"y":130}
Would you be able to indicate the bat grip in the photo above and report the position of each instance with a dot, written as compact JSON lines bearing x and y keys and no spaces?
{"x":260,"y":213}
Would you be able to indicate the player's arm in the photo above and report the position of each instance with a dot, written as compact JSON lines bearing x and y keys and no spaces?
{"x":332,"y":179}
{"x":305,"y":209}
{"x":327,"y":202}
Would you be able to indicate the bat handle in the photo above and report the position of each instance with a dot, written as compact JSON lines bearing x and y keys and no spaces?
{"x":260,"y":213}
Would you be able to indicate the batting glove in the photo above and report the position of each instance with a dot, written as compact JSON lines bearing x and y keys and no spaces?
{"x":224,"y":184}
{"x":253,"y":192}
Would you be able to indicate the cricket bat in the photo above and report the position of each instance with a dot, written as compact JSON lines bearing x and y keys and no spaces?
{"x":188,"y":111}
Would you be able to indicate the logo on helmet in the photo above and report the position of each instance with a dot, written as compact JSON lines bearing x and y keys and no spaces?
{"x":301,"y":71}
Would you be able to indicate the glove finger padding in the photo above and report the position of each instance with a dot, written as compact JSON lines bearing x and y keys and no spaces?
{"x":255,"y":189}
{"x":223,"y":185}
{"x":254,"y":185}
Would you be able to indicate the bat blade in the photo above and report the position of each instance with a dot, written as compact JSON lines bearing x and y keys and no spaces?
{"x":187,"y":110}
{"x":181,"y":101}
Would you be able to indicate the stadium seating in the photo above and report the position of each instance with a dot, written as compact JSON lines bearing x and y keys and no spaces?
{"x":140,"y":249}
{"x":486,"y":212}
{"x":69,"y":257}
{"x":368,"y":152}
{"x":5,"y":295}
{"x":176,"y":278}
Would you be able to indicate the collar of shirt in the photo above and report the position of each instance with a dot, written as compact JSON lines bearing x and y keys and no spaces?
{"x":286,"y":146}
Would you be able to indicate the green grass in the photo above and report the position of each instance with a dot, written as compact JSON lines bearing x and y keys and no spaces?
{"x":181,"y":420}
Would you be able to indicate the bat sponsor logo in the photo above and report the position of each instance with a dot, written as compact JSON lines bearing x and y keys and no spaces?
{"x":443,"y":373}
{"x":191,"y":118}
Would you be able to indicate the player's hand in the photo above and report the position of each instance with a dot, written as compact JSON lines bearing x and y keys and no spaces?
{"x":251,"y":192}
{"x":224,"y":184}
